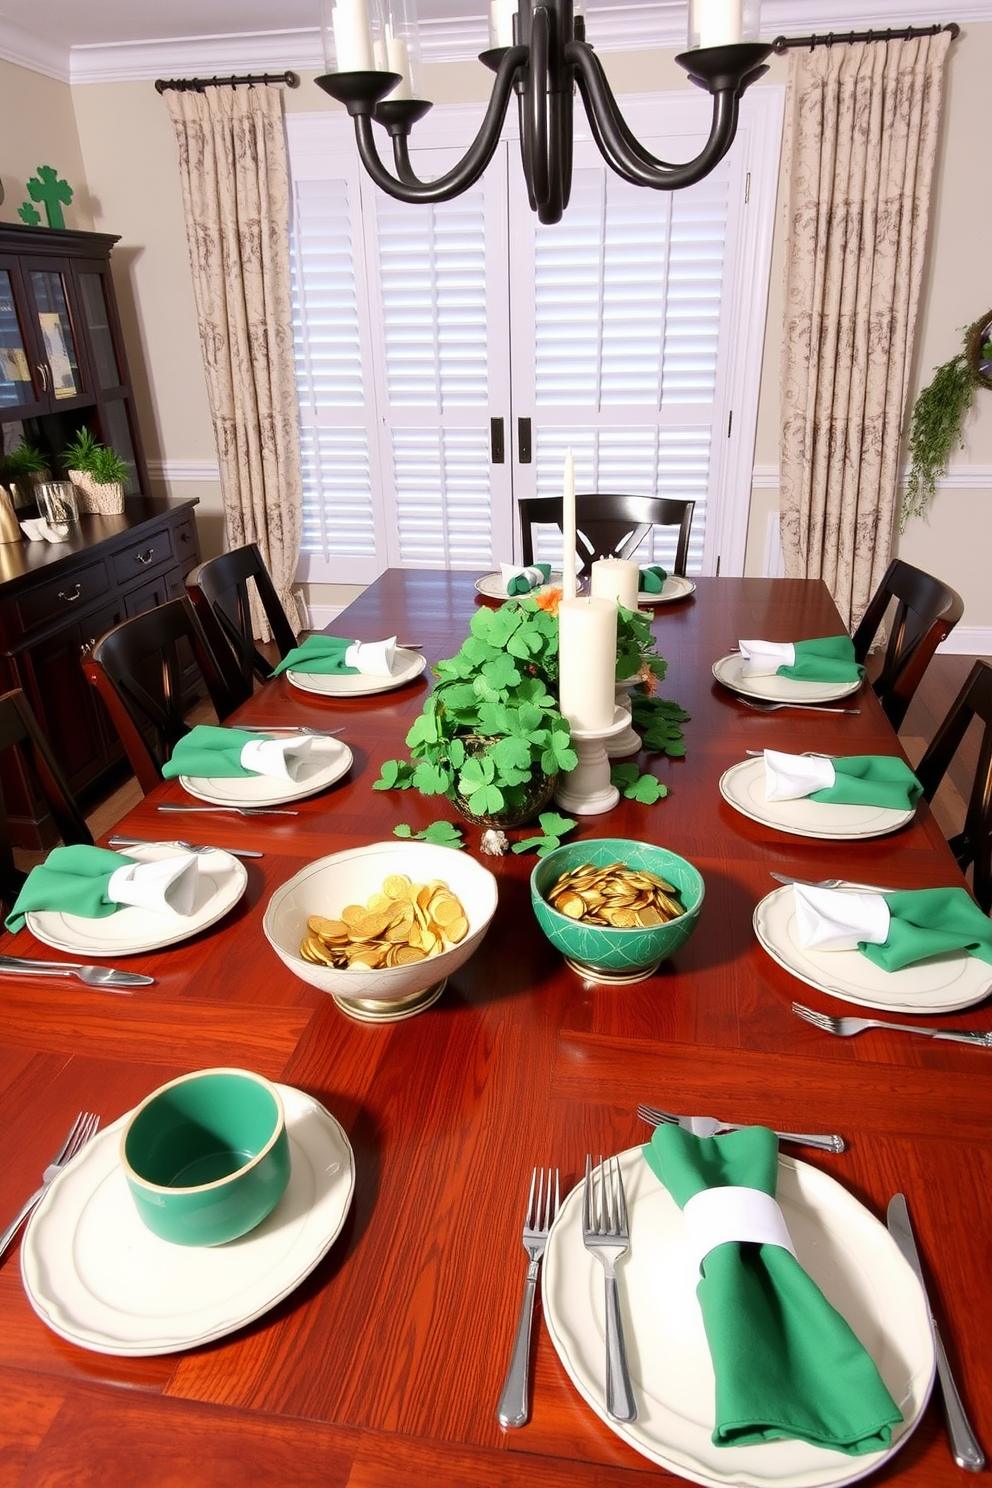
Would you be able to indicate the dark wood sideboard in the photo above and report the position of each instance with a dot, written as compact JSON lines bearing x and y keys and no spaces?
{"x":55,"y":601}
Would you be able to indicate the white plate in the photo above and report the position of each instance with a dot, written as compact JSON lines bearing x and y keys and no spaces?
{"x":221,"y":882}
{"x":743,"y":787}
{"x":676,"y":586}
{"x":328,"y":760}
{"x":409,"y":664}
{"x":492,"y":586}
{"x":778,"y":689}
{"x":850,"y":1256}
{"x":941,"y":984}
{"x":99,"y":1278}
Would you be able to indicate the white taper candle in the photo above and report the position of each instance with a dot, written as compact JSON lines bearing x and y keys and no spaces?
{"x":716,"y":22}
{"x":587,"y":662}
{"x":353,"y":36}
{"x":568,"y":586}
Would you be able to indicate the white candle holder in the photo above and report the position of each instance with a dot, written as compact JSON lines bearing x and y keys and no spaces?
{"x":628,"y":742}
{"x":587,"y":790}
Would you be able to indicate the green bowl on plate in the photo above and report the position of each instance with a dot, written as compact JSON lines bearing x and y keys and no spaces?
{"x":605,"y":952}
{"x":206,"y":1157}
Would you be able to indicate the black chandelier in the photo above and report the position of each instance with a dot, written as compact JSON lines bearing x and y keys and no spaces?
{"x":544,"y":54}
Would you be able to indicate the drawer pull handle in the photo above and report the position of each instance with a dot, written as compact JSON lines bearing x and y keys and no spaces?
{"x":145,"y":557}
{"x":69,"y":598}
{"x":87,"y":645}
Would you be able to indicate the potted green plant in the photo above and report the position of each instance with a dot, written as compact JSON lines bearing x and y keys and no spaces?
{"x":23,"y":468}
{"x":98,"y":472}
{"x":938,"y":415}
{"x":491,"y":737}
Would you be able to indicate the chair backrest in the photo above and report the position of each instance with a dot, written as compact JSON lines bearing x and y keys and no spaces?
{"x":139,"y":669}
{"x":609,"y":526}
{"x":974,"y":844}
{"x":926,"y":612}
{"x":221,"y":586}
{"x":19,"y":730}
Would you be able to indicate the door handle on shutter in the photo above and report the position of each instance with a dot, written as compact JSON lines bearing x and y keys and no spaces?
{"x":498,"y":453}
{"x":524,"y":451}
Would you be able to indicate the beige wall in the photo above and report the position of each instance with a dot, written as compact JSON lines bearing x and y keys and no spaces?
{"x":120,"y":134}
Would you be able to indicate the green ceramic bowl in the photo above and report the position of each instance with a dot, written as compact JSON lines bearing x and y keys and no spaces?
{"x":616,"y":955}
{"x":206,"y":1157}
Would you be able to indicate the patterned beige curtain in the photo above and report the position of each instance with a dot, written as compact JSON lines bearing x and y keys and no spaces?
{"x":235,"y":181}
{"x":861,"y":134}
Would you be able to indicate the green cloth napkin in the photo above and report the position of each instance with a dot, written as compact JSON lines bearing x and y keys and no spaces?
{"x":521,"y":584}
{"x":828,"y":659}
{"x":786,"y":1362}
{"x":72,"y":880}
{"x":930,"y":922}
{"x":651,"y":580}
{"x":318,"y":653}
{"x":210,"y":751}
{"x":872,"y":780}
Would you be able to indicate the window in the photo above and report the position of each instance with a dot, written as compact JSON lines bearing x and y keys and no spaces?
{"x":628,"y":332}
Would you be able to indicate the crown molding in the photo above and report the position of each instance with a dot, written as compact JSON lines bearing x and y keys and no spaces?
{"x":612,"y":27}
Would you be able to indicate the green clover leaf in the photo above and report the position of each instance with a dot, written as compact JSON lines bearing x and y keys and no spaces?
{"x":440,"y":833}
{"x":394,"y":775}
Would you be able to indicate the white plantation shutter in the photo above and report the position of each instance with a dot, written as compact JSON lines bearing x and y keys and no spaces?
{"x":635,"y":325}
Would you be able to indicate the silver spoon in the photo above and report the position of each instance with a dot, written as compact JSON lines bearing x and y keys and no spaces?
{"x":106,"y":977}
{"x":762,"y":707}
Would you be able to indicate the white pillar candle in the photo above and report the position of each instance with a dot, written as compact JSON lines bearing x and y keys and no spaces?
{"x":353,"y":36}
{"x":568,"y":587}
{"x":616,"y":578}
{"x":501,"y":13}
{"x":716,"y":22}
{"x":398,"y":60}
{"x":587,"y":662}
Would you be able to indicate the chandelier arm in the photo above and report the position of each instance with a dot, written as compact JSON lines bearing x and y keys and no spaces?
{"x":624,"y":153}
{"x":407,"y":187}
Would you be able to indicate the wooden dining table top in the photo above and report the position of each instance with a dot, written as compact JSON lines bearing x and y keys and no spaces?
{"x":384,"y":1365}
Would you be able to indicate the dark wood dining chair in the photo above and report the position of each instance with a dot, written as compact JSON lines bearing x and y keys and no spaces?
{"x":926,"y":611}
{"x":972,"y":847}
{"x":19,"y":730}
{"x":144,"y":670}
{"x":221,"y":587}
{"x":609,"y":526}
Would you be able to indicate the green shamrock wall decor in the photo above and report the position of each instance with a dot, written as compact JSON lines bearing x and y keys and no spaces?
{"x":53,"y":193}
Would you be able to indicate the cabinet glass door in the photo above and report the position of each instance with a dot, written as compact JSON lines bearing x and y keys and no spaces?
{"x":16,"y":387}
{"x":55,"y":326}
{"x":103,"y":353}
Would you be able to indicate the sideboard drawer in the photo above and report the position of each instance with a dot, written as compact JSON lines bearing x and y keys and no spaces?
{"x":144,"y":557}
{"x":63,"y":597}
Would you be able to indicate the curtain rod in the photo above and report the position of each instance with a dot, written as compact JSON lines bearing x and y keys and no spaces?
{"x":905,"y":33}
{"x":185,"y":85}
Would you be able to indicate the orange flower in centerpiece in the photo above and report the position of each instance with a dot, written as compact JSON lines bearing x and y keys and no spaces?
{"x":548,"y":601}
{"x":648,"y":678}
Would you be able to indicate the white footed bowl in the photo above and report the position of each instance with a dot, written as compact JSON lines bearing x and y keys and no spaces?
{"x":351,"y":877}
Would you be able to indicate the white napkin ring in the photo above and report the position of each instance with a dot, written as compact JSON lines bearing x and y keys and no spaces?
{"x":282,"y":759}
{"x":716,"y":1216}
{"x":167,"y":884}
{"x":790,"y":776}
{"x":372,"y":658}
{"x":763,"y":658}
{"x":532,"y":574}
{"x":839,"y":920}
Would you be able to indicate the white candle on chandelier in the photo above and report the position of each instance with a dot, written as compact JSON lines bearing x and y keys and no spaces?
{"x":398,"y":60}
{"x":715,"y":22}
{"x":616,"y":578}
{"x":353,"y":36}
{"x":587,"y":662}
{"x":568,"y":586}
{"x":501,"y":13}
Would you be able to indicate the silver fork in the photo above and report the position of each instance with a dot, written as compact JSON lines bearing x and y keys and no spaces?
{"x":845,"y":1027}
{"x":542,"y":1206}
{"x":832,"y":883}
{"x":82,"y":1129}
{"x":709,"y":1126}
{"x":235,"y":852}
{"x":763,"y":707}
{"x":605,"y":1234}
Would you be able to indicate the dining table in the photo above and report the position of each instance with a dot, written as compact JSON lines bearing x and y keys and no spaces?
{"x":385,"y":1362}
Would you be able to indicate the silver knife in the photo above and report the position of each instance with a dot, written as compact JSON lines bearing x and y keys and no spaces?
{"x":238,"y":810}
{"x":964,"y":1447}
{"x":236,"y":852}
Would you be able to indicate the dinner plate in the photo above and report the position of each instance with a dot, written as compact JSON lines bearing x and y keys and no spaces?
{"x":327,"y":761}
{"x":492,"y":586}
{"x":743,"y":787}
{"x":940,"y":984}
{"x":99,"y":1278}
{"x":729,"y":671}
{"x":846,"y":1251}
{"x":676,"y":586}
{"x":409,"y":665}
{"x":221,"y":881}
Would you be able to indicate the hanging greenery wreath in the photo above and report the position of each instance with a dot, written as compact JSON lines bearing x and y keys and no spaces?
{"x":938,"y":415}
